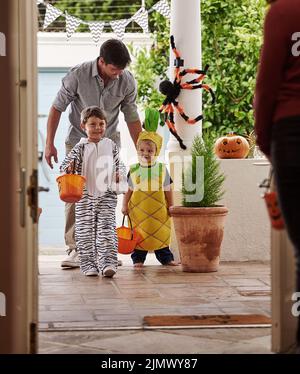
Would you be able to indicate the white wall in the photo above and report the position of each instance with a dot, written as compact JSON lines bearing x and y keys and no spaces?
{"x":55,"y":51}
{"x":247,"y":227}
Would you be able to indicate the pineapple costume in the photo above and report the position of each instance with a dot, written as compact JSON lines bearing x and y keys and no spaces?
{"x":147,"y":206}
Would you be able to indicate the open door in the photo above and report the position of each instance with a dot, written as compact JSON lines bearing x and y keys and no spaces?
{"x":18,"y":188}
{"x":284,"y":324}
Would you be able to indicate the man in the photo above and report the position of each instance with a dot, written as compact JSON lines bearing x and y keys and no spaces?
{"x":105,"y":83}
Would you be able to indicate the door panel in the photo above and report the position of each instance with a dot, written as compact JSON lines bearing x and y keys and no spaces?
{"x":18,"y":155}
{"x":284,"y":324}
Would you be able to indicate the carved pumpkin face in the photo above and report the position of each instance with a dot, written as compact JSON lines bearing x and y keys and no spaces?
{"x":231,"y":146}
{"x":273,"y":210}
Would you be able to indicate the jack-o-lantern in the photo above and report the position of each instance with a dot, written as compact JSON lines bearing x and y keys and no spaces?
{"x":231,"y":146}
{"x":273,"y":210}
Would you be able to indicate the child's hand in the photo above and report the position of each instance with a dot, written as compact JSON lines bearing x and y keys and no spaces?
{"x":125,"y":210}
{"x":70,"y":168}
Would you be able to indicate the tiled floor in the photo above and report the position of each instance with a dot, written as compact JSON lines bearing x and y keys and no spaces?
{"x":73,"y":307}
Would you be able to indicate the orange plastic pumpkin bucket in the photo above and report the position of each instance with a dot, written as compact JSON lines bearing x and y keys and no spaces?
{"x":272,"y":204}
{"x":70,"y":187}
{"x":273,"y":210}
{"x":128,"y":238}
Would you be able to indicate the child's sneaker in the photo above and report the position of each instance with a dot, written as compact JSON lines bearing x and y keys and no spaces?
{"x":91,"y":273}
{"x":109,"y":272}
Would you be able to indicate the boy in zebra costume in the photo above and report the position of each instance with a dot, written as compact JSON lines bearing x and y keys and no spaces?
{"x":97,"y":159}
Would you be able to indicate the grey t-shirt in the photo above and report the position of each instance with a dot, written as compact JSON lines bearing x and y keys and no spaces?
{"x":83,"y":87}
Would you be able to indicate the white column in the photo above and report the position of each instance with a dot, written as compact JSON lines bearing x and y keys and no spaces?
{"x":186,"y":28}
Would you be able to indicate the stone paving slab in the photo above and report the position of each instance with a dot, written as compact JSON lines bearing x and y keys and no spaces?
{"x":67,"y":296}
{"x":234,"y":340}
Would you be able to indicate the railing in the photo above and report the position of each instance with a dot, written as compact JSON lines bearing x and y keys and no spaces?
{"x":91,"y":12}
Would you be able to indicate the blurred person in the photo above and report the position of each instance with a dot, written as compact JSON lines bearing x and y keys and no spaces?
{"x":277,"y":112}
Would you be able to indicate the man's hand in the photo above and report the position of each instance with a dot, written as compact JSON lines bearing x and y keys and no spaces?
{"x":50,"y":151}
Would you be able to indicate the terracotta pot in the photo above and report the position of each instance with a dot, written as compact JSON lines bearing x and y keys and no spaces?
{"x":199,"y":233}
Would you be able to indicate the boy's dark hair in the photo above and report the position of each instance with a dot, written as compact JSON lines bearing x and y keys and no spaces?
{"x":115,"y":52}
{"x":92,"y":111}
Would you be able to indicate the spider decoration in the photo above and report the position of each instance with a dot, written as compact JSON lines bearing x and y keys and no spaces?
{"x":172,"y":91}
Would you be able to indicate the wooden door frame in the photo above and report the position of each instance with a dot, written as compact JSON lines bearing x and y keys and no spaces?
{"x":18,"y":159}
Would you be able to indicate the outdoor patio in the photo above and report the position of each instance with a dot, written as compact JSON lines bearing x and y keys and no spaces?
{"x":77,"y":311}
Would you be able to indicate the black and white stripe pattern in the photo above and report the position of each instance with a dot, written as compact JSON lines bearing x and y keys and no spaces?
{"x":95,"y":219}
{"x":141,"y":18}
{"x":72,"y":24}
{"x":95,"y":232}
{"x":96,"y":30}
{"x":163,"y":8}
{"x":51,"y":14}
{"x":76,"y":155}
{"x":119,"y":27}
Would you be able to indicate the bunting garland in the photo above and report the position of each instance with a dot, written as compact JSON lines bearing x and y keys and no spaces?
{"x":96,"y":27}
{"x":51,"y":14}
{"x":72,"y":23}
{"x":141,"y":18}
{"x":119,"y":27}
{"x":163,"y":8}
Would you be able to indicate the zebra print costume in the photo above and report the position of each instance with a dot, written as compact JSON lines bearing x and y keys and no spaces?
{"x":95,"y":219}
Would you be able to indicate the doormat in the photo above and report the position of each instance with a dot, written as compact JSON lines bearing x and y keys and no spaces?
{"x":202,"y":320}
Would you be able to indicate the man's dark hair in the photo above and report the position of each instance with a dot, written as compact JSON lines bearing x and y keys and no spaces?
{"x":115,"y":52}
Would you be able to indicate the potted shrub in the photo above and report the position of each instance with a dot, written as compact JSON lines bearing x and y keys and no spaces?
{"x":199,"y":223}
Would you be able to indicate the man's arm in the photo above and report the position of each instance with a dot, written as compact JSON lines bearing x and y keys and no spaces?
{"x":134,"y":129}
{"x":52,"y":124}
{"x":129,"y":109}
{"x":64,"y":97}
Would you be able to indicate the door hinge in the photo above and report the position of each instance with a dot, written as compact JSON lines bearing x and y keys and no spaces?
{"x":32,"y":192}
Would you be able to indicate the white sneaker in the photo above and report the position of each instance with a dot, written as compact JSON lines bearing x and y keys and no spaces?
{"x":71,"y":261}
{"x":109,"y":272}
{"x":92,"y":272}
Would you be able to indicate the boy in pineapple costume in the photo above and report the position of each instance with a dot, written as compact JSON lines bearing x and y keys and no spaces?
{"x":148,"y":200}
